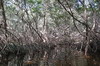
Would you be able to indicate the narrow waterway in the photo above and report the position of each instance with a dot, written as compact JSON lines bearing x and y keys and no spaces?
{"x":59,"y":56}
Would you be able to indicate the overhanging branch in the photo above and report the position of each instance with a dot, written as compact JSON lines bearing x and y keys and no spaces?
{"x":71,"y":14}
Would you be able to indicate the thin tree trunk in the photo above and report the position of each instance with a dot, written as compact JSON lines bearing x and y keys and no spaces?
{"x":3,"y":23}
{"x":87,"y":30}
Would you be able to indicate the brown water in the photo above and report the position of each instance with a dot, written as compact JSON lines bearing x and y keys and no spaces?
{"x":74,"y":59}
{"x":58,"y":57}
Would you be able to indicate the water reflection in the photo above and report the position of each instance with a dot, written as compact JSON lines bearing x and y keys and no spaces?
{"x":60,"y":56}
{"x":78,"y":59}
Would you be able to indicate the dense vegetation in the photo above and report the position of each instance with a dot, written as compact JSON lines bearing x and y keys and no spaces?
{"x":48,"y":32}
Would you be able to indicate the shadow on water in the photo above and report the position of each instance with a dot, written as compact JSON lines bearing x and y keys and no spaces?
{"x":58,"y":56}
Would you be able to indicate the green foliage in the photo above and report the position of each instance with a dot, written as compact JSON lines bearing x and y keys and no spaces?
{"x":36,"y":9}
{"x":31,"y":1}
{"x":35,"y":1}
{"x":39,"y":1}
